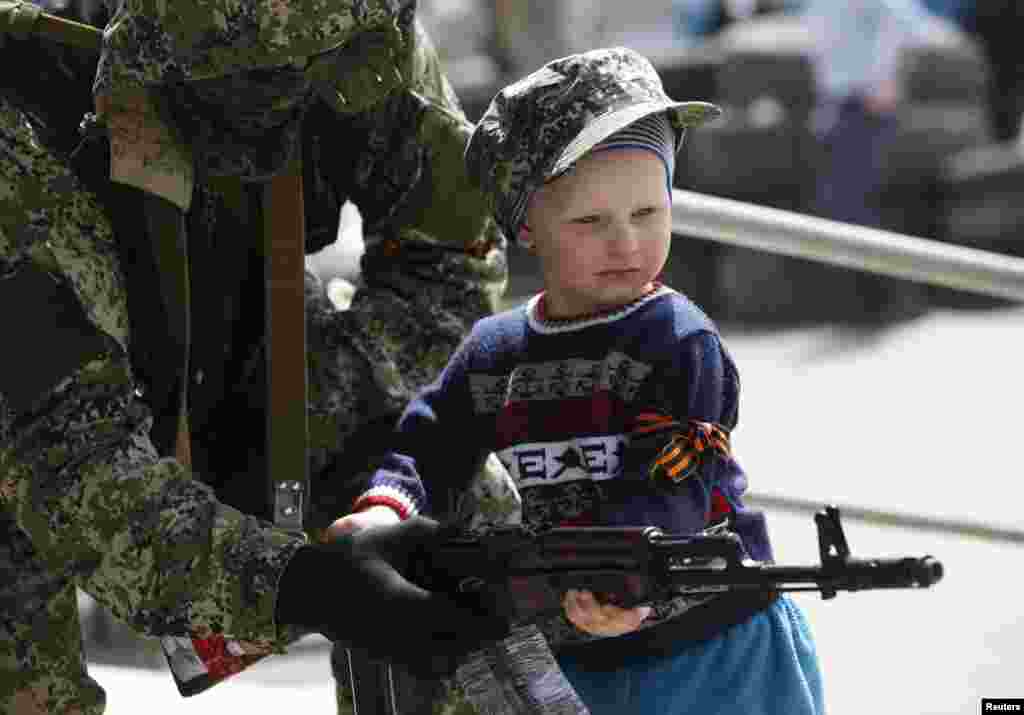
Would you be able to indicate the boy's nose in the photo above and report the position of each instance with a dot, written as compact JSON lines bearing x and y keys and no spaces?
{"x":623,"y":241}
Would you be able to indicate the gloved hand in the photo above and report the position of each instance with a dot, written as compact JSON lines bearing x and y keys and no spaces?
{"x":351,"y":590}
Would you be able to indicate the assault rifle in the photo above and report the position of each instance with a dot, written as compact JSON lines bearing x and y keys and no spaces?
{"x":523,"y":573}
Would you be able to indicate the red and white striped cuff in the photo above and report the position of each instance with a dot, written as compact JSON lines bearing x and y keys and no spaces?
{"x":389,"y":496}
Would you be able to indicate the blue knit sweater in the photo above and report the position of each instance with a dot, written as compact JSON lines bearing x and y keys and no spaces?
{"x":557,"y":402}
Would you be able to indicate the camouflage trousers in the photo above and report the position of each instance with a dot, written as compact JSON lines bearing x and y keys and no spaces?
{"x":516,"y":676}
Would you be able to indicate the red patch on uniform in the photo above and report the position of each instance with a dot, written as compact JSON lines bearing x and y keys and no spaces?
{"x":219,"y":661}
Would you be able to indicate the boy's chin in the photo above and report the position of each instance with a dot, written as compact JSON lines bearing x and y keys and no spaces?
{"x":617,"y":293}
{"x":611,"y":297}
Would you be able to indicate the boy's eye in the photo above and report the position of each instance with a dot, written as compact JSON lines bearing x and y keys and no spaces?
{"x":645,"y":211}
{"x":586,"y":219}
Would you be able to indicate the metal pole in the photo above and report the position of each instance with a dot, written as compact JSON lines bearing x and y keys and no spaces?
{"x":866,"y":249}
{"x":966,"y":528}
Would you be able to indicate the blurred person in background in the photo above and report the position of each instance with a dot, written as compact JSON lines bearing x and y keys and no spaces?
{"x":696,"y":19}
{"x":856,"y":55}
{"x":856,"y":61}
{"x":960,"y":12}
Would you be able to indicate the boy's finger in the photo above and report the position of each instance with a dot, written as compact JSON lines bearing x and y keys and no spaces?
{"x":574,"y":608}
{"x":635,"y":616}
{"x":571,"y":599}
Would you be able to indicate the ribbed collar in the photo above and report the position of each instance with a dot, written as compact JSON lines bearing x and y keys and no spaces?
{"x":541,"y":324}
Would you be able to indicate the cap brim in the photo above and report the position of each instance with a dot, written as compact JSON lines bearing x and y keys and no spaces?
{"x":681,"y":114}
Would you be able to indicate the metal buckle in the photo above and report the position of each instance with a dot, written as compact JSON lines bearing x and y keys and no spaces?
{"x":288,"y":504}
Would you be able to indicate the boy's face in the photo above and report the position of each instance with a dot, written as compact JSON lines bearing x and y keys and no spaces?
{"x":602,"y":231}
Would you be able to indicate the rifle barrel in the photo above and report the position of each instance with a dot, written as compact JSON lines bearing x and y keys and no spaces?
{"x":849,"y":575}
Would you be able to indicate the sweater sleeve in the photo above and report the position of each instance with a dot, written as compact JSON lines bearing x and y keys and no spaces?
{"x":712,"y":396}
{"x":438,"y":447}
{"x":680,"y":472}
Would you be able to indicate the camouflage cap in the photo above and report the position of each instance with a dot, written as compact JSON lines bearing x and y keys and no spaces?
{"x":538,"y":127}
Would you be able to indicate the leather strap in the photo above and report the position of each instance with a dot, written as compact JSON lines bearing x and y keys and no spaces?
{"x":183,"y":444}
{"x":287,"y":381}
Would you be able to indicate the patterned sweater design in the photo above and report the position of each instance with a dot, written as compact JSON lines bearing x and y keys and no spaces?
{"x":557,"y":402}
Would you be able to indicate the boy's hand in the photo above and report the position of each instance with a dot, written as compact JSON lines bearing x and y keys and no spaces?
{"x":351,"y":523}
{"x":601,"y":619}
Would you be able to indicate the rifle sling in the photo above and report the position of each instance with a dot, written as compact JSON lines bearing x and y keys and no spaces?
{"x":286,"y":428}
{"x":284,"y":243}
{"x":699,"y":624}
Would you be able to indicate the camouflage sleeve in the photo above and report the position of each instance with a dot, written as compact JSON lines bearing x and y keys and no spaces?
{"x":421,"y":133}
{"x":391,"y":137}
{"x":78,"y":473}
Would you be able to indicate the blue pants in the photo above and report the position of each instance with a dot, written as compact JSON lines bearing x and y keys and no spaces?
{"x":765,"y":666}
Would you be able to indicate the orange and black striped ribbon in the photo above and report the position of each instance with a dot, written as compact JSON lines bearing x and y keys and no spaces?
{"x":688,"y":447}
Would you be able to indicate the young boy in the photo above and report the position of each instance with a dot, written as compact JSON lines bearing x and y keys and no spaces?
{"x":609,"y":397}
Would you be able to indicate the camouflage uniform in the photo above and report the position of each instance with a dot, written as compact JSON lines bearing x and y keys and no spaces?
{"x":89,"y":499}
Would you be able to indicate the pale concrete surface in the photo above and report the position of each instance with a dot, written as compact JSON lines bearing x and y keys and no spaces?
{"x":919,"y":419}
{"x":922,"y":417}
{"x":295,"y":684}
{"x":930,"y":652}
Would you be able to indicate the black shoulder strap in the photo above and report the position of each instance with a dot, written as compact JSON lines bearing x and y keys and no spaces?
{"x":165,"y":226}
{"x":153,"y":247}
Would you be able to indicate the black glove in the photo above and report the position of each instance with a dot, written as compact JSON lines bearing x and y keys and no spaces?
{"x":351,"y":591}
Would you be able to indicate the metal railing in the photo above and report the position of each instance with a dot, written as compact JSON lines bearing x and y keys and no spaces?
{"x":866,"y":249}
